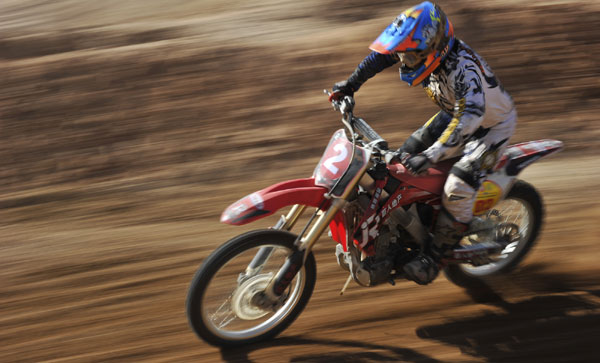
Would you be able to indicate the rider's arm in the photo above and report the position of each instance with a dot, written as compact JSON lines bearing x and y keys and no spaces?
{"x":469,"y":109}
{"x":370,"y":66}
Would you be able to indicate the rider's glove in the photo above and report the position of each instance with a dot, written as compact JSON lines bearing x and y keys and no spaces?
{"x":340,"y":90}
{"x":416,"y":164}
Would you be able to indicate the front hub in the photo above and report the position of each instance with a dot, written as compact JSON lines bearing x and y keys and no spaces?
{"x":246,"y":301}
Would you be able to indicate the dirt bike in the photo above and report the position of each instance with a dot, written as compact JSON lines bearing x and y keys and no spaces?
{"x":255,"y":285}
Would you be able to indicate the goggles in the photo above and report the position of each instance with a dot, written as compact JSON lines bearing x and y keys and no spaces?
{"x":413,"y":59}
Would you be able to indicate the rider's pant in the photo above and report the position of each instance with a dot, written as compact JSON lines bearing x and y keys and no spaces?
{"x":480,"y":155}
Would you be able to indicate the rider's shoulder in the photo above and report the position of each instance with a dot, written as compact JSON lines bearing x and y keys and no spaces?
{"x":461,"y":60}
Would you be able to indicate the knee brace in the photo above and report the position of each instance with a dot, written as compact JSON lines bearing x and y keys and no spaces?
{"x":458,"y":198}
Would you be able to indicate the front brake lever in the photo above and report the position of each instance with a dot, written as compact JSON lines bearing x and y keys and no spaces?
{"x":337,"y":105}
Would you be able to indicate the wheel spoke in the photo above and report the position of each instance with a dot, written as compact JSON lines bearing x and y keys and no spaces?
{"x":510,"y":212}
{"x":226,"y":321}
{"x":223,"y":314}
{"x":518,"y":216}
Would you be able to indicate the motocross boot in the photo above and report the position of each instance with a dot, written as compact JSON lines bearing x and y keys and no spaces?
{"x":447,"y":233}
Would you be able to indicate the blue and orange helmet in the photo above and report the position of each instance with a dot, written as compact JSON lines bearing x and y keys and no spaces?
{"x":421,"y":36}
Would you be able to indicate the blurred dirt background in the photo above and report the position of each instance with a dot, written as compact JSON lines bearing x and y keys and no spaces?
{"x":127,"y":126}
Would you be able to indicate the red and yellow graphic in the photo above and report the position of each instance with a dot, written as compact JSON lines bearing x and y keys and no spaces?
{"x":488,"y":195}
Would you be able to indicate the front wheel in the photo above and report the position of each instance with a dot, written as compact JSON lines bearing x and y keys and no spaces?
{"x":522,"y":207}
{"x":222,"y":306}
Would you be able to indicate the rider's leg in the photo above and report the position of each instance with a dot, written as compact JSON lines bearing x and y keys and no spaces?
{"x":448,"y":230}
{"x":460,"y":191}
{"x":480,"y":156}
{"x":455,"y":215}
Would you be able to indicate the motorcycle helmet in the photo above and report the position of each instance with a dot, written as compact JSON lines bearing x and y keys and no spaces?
{"x":421,"y":37}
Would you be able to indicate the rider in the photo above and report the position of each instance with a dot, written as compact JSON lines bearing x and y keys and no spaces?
{"x":476,"y":119}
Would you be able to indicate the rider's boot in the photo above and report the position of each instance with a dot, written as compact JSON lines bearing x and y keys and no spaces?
{"x":447,"y":233}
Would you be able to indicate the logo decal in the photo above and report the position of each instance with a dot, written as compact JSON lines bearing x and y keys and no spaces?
{"x":488,"y":195}
{"x":370,"y":227}
{"x":239,"y":209}
{"x":432,"y":16}
{"x":257,"y":200}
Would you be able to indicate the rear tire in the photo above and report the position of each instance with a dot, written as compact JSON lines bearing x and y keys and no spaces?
{"x":217,"y":325}
{"x":523,"y":193}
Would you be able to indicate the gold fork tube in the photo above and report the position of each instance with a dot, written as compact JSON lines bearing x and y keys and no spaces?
{"x":292,"y":217}
{"x":308,"y":241}
{"x":297,"y":259}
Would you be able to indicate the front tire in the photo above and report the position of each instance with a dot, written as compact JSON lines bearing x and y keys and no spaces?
{"x":523,"y":207}
{"x":220,"y":304}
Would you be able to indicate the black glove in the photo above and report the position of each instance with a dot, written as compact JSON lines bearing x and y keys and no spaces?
{"x":341,"y":89}
{"x":416,"y":164}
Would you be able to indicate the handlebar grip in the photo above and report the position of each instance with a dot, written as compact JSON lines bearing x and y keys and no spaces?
{"x":367,"y":131}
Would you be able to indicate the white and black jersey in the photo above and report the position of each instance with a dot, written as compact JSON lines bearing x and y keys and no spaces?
{"x":471,"y":98}
{"x":465,"y":87}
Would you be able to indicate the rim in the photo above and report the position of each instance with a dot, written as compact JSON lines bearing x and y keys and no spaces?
{"x":226,"y":307}
{"x":513,"y":210}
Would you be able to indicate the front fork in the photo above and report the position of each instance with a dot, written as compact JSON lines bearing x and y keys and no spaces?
{"x":285,"y":223}
{"x":295,"y":261}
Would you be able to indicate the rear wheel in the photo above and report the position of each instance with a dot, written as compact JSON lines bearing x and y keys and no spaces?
{"x":223,"y":301}
{"x":522,"y":208}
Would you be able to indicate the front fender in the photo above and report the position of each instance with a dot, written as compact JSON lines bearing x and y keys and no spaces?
{"x":267,"y":201}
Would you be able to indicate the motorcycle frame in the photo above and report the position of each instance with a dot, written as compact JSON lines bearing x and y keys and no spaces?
{"x":305,"y":192}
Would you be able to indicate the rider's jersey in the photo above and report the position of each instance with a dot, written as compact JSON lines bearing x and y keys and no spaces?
{"x":465,"y":87}
{"x":462,"y":86}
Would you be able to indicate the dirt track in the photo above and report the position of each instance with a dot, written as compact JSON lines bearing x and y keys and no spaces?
{"x":127,"y":128}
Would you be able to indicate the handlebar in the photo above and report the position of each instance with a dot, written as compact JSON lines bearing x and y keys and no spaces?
{"x":346,"y":108}
{"x":368,"y":133}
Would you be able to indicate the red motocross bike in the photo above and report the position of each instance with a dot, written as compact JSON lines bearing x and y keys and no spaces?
{"x":255,"y":285}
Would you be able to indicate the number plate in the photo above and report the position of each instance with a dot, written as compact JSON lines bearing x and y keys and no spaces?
{"x":336,"y":160}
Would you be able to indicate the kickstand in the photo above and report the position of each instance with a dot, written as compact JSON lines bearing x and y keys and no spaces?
{"x":346,"y":284}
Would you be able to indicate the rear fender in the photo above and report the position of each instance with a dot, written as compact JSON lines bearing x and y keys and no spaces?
{"x":513,"y":161}
{"x":518,"y":156}
{"x":267,"y":201}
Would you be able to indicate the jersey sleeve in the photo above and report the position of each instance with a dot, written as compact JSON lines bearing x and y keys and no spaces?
{"x":369,"y":67}
{"x":467,"y":115}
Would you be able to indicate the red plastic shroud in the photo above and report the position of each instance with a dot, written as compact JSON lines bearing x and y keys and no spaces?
{"x":267,"y":201}
{"x":427,"y":187}
{"x":432,"y":182}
